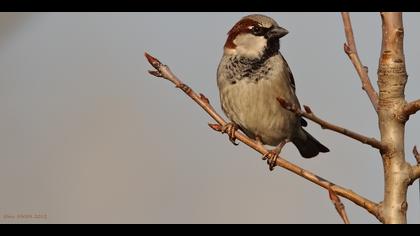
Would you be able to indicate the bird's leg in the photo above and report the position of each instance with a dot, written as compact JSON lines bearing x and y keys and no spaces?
{"x":230,"y":129}
{"x":272,"y":155}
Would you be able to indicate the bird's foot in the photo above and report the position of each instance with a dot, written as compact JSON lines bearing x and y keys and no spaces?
{"x":272,"y":155}
{"x":230,"y":129}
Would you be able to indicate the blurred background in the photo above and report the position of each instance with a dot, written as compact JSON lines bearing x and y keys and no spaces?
{"x":88,"y":136}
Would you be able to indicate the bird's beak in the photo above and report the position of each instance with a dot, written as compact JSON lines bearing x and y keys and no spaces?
{"x":277,"y":32}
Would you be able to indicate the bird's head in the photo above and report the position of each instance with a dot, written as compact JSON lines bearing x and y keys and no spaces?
{"x":253,"y":36}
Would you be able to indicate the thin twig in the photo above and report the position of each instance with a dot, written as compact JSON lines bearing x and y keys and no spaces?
{"x":416,"y":154}
{"x":164,"y":72}
{"x":416,"y":168}
{"x":362,"y":71}
{"x":410,"y":109}
{"x":416,"y":172}
{"x":326,"y":125}
{"x":339,"y":206}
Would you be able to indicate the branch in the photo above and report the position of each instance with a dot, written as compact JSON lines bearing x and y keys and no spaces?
{"x":410,"y":109}
{"x":416,"y":172}
{"x":362,"y":71}
{"x":164,"y":72}
{"x":416,"y":169}
{"x":339,"y":206}
{"x":326,"y":125}
{"x":416,"y":154}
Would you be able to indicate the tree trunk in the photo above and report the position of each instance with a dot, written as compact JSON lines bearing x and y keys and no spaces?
{"x":392,"y":78}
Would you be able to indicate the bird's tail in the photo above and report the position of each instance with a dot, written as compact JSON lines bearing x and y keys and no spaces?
{"x":308,"y":146}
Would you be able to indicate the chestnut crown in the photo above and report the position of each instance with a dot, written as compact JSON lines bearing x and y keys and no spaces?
{"x":253,"y":35}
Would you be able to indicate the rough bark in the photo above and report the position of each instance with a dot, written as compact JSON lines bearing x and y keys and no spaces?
{"x":392,"y":78}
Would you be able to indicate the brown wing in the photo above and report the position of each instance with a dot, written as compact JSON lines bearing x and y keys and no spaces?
{"x":291,"y":79}
{"x":292,"y":84}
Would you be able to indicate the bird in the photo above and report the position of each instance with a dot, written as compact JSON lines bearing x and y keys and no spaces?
{"x":251,"y":75}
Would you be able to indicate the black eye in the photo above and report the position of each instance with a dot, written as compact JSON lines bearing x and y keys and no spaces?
{"x":257,"y":30}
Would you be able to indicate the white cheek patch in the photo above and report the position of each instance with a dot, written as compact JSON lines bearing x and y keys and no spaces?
{"x":249,"y":45}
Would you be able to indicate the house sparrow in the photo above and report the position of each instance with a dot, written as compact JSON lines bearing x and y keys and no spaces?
{"x":251,"y":75}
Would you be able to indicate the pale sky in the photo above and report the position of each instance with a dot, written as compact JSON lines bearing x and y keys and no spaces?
{"x":88,"y":136}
